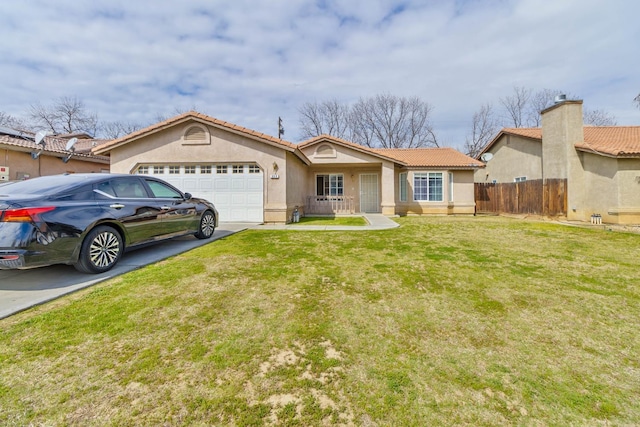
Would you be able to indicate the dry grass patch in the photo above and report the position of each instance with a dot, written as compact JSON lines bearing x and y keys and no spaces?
{"x":443,"y":321}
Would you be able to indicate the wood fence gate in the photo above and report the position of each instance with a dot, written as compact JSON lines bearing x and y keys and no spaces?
{"x":535,"y":197}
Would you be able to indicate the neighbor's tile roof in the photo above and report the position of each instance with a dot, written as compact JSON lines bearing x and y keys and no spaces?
{"x":617,"y":141}
{"x":431,"y":157}
{"x":197,"y":116}
{"x":57,"y":145}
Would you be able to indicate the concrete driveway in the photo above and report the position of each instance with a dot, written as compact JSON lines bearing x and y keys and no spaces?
{"x":21,"y":289}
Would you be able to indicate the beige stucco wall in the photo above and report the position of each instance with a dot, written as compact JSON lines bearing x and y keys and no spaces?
{"x":463,"y":194}
{"x":562,"y":128}
{"x":167,"y":147}
{"x":513,"y":156}
{"x":21,"y":163}
{"x":297,"y":176}
{"x":613,"y":189}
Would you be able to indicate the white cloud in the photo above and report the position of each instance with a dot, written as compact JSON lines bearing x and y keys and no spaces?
{"x":249,"y":62}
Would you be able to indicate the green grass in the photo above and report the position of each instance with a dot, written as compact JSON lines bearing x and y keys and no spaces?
{"x":335,"y":220}
{"x":443,"y":321}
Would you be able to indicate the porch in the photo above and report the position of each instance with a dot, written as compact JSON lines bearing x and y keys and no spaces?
{"x":325,"y":205}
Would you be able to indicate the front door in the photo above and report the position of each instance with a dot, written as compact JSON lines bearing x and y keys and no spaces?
{"x":369,"y":193}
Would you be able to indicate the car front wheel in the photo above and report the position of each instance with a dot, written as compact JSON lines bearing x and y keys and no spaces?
{"x":207,"y":225}
{"x":101,"y":250}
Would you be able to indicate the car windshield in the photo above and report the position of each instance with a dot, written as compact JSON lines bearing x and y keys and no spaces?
{"x":41,"y":185}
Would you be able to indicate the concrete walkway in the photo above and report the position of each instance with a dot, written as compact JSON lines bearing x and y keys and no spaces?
{"x":375,"y":222}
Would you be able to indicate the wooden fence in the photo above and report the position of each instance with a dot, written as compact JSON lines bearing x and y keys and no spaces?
{"x":536,"y":197}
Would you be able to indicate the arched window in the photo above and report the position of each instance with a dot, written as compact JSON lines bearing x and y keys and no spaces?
{"x":196,"y":135}
{"x":325,"y":150}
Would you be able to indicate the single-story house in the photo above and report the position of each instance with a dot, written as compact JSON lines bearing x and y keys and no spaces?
{"x":255,"y":177}
{"x":601,"y":164}
{"x":21,"y":158}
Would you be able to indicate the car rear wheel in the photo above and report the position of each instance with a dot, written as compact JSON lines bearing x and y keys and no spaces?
{"x":207,"y":225}
{"x":101,"y":250}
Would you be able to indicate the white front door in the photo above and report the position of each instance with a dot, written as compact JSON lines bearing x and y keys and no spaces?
{"x":369,"y":193}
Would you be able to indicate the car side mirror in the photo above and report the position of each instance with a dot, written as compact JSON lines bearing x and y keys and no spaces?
{"x":187,"y":196}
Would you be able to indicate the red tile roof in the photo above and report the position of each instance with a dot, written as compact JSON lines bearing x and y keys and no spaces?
{"x":57,"y":146}
{"x":616,"y":141}
{"x":412,"y":157}
{"x":432,"y":157}
{"x":193,"y":115}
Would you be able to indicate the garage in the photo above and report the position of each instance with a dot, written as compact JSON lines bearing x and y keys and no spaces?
{"x":235,"y":189}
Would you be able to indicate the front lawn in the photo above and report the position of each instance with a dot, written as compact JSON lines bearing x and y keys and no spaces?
{"x":334,"y":220}
{"x":442,"y":321}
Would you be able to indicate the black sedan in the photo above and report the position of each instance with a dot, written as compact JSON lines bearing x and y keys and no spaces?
{"x":89,"y":220}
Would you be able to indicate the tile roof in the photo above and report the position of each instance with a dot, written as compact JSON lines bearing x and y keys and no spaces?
{"x":105,"y":148}
{"x":617,"y":141}
{"x":423,"y":157}
{"x":55,"y":145}
{"x":432,"y":157}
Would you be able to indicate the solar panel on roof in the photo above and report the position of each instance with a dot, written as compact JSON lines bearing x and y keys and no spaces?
{"x":16,"y":133}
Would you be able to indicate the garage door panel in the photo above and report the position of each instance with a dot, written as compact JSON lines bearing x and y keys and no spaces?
{"x":237,"y":197}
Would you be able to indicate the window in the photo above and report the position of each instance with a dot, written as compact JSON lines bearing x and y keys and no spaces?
{"x":163,"y":191}
{"x":330,"y":185}
{"x":174,"y":170}
{"x":238,"y":168}
{"x":402,"y":186}
{"x":158,"y":170}
{"x":450,"y":187}
{"x":127,"y":188}
{"x":520,"y":179}
{"x":205,"y":169}
{"x":143,"y":170}
{"x":221,"y":169}
{"x":189,"y":169}
{"x":427,"y":186}
{"x":254,"y":169}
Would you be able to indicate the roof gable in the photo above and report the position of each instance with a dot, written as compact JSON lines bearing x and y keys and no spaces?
{"x":344,"y":143}
{"x":198,"y":117}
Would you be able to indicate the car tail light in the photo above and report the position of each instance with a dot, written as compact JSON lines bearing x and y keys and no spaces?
{"x":24,"y":214}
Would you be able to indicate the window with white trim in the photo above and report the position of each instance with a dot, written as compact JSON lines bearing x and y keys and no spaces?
{"x":254,"y":169}
{"x":330,"y":185}
{"x":221,"y":169}
{"x":520,"y":179}
{"x":238,"y":169}
{"x":157,"y":170}
{"x":174,"y":170}
{"x":427,"y":187}
{"x":205,"y":169}
{"x":402,"y":186}
{"x":190,"y":170}
{"x":143,"y":170}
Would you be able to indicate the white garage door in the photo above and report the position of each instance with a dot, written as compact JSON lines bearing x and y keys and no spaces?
{"x":235,"y":189}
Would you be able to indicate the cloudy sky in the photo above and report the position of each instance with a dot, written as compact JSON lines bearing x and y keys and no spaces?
{"x":250,"y":61}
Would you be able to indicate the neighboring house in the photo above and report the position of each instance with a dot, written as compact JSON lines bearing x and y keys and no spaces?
{"x":600,"y":164}
{"x":21,"y":158}
{"x":255,"y":177}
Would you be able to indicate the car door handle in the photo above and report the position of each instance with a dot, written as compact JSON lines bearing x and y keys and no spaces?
{"x":117,"y":206}
{"x":165,"y":208}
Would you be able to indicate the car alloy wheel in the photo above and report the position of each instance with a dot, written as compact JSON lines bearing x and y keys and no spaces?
{"x":100,"y":251}
{"x":207,"y":226}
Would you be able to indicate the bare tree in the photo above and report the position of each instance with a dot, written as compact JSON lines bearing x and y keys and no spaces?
{"x":327,"y":117}
{"x":114,"y":130}
{"x":65,"y":115}
{"x":484,"y":127}
{"x":598,"y":118}
{"x":8,"y":120}
{"x":516,"y":106}
{"x":637,"y":100}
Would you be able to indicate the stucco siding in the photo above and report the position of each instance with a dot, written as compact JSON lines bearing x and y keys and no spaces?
{"x":22,"y":165}
{"x":463,"y":194}
{"x":513,"y":156}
